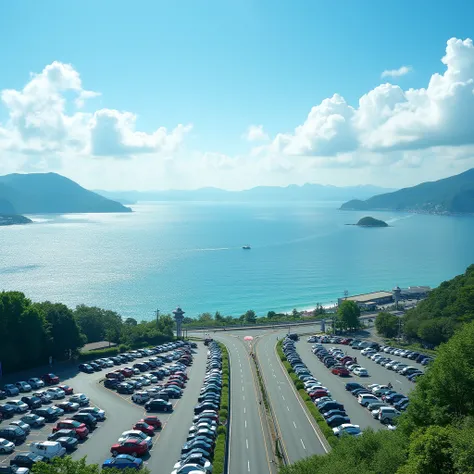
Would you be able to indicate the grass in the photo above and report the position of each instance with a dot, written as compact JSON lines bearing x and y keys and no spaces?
{"x":326,"y":430}
{"x":220,"y":451}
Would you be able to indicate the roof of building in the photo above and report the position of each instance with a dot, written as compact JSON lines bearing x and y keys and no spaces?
{"x":370,"y":297}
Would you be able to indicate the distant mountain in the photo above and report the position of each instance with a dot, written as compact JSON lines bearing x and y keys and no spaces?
{"x":450,"y":195}
{"x":307,"y":192}
{"x":50,"y":193}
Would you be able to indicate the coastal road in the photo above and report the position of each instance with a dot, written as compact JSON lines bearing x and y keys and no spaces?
{"x":250,"y":449}
{"x":300,"y":435}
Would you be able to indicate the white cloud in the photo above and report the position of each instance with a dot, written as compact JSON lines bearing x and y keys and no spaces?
{"x":39,"y":123}
{"x":389,"y":118}
{"x":255,"y":133}
{"x":401,"y":71}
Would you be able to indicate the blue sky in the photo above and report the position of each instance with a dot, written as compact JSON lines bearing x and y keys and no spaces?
{"x":225,"y":65}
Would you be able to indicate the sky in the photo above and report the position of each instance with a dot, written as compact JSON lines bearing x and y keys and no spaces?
{"x":237,"y":93}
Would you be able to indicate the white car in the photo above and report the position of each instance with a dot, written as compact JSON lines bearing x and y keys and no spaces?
{"x":378,"y":390}
{"x":136,"y":434}
{"x":22,"y":425}
{"x":80,"y":398}
{"x":48,"y":449}
{"x":95,"y":412}
{"x":152,"y":378}
{"x":190,"y":469}
{"x":36,"y":382}
{"x":361,"y":372}
{"x":6,"y":446}
{"x":18,"y":406}
{"x":23,"y":386}
{"x":140,"y":397}
{"x":347,"y":429}
{"x":385,"y":414}
{"x":366,"y":398}
{"x":56,"y":393}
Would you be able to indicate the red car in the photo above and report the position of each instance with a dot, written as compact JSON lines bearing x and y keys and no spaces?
{"x":153,"y":421}
{"x":144,"y":428}
{"x":179,"y":381}
{"x":341,"y":371}
{"x":318,"y":394}
{"x":133,"y":446}
{"x":182,"y":374}
{"x":50,"y":379}
{"x":115,"y":375}
{"x":67,"y":389}
{"x":126,"y":372}
{"x":176,"y":383}
{"x":80,"y":428}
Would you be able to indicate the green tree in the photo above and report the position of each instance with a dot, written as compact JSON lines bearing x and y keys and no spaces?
{"x":250,"y":317}
{"x":218,"y":317}
{"x":62,"y":330}
{"x":131,"y":322}
{"x":387,"y":324}
{"x":166,"y":325}
{"x":295,"y":313}
{"x":271,"y":314}
{"x":430,"y":452}
{"x":205,"y":317}
{"x":436,"y":331}
{"x":67,"y":465}
{"x":348,"y":315}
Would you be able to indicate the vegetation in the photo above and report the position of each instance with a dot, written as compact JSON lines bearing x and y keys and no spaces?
{"x":50,"y":193}
{"x":220,"y":449}
{"x":348,"y":313}
{"x":371,"y":222}
{"x":387,"y":324}
{"x":433,"y":436}
{"x":447,"y":307}
{"x":67,"y":465}
{"x":453,"y":195}
{"x":33,"y":332}
{"x":13,"y":219}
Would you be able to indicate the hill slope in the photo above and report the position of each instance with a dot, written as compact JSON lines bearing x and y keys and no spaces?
{"x":307,"y":192}
{"x":450,"y":195}
{"x":43,"y":193}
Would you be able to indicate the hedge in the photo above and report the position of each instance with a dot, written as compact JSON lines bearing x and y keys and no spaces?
{"x":98,"y":354}
{"x":327,"y":431}
{"x":220,"y":448}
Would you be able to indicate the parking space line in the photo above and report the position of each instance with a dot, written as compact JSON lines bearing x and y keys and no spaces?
{"x":294,"y":424}
{"x":304,"y":447}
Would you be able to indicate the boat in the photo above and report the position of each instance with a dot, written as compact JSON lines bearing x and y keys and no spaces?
{"x":246,"y":247}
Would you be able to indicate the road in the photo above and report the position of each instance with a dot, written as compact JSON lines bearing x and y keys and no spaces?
{"x":250,"y":451}
{"x":122,"y":414}
{"x":300,"y":435}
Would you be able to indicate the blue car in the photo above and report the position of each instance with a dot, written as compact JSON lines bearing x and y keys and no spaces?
{"x":123,"y":461}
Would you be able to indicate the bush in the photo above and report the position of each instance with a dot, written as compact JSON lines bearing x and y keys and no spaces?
{"x":223,"y":414}
{"x":124,"y":348}
{"x":221,"y":430}
{"x":108,"y":352}
{"x":299,"y":385}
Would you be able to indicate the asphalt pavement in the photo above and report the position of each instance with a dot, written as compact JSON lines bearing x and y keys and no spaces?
{"x":300,"y":436}
{"x":250,"y":451}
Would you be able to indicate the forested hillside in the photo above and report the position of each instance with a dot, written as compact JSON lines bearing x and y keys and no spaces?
{"x":435,"y":319}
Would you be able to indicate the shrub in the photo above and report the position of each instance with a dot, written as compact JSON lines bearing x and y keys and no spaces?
{"x":108,"y":352}
{"x":299,"y":385}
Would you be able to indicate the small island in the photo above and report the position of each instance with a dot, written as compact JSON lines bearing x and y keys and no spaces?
{"x":371,"y":222}
{"x":13,"y":219}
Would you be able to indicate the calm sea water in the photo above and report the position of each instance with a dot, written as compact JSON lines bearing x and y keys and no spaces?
{"x":189,"y":254}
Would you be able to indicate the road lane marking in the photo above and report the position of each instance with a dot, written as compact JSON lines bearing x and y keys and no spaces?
{"x":294,"y":424}
{"x":248,"y":466}
{"x":398,"y":381}
{"x":242,"y":389}
{"x":243,"y":397}
{"x":247,"y":443}
{"x":304,"y":447}
{"x":245,"y":423}
{"x":288,"y":408}
{"x":245,"y":410}
{"x":283,"y":397}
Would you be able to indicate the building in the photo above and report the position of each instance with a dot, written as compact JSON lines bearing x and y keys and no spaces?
{"x":370,"y":301}
{"x":414,"y":292}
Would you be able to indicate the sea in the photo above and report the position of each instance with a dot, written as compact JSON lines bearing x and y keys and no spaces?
{"x":189,"y":254}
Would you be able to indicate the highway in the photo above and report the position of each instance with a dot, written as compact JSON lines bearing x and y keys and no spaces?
{"x":250,"y":448}
{"x":300,"y":435}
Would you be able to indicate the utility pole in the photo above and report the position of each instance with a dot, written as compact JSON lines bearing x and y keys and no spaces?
{"x":399,"y":328}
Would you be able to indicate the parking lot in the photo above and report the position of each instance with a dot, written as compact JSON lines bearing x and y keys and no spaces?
{"x":122,"y":413}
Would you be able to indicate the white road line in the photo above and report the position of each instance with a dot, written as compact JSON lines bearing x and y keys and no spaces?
{"x":283,"y":397}
{"x":279,"y":388}
{"x":304,"y":447}
{"x":294,"y":424}
{"x":248,"y":466}
{"x":245,"y":423}
{"x":398,"y":381}
{"x":242,"y":389}
{"x":288,"y":408}
{"x":243,"y":398}
{"x":245,"y":410}
{"x":247,"y":443}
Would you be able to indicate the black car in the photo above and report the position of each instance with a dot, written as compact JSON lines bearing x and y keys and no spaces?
{"x":48,"y":414}
{"x":26,"y":460}
{"x":205,"y":406}
{"x":62,"y":434}
{"x":88,"y":369}
{"x":13,"y":433}
{"x":32,"y":402}
{"x":125,"y":388}
{"x":95,"y":366}
{"x":325,"y":407}
{"x":85,"y":418}
{"x":353,"y":386}
{"x":337,"y":420}
{"x":68,"y":442}
{"x":211,"y":397}
{"x":158,"y":405}
{"x":68,"y":407}
{"x":3,"y":394}
{"x":111,"y":383}
{"x":7,"y":411}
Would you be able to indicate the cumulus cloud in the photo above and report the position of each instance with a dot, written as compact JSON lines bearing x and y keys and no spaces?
{"x":39,"y":122}
{"x":401,"y":71}
{"x":389,"y":118}
{"x":255,"y":133}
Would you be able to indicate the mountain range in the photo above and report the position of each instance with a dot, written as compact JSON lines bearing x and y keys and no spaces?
{"x":445,"y":196}
{"x":307,"y":192}
{"x":50,"y":193}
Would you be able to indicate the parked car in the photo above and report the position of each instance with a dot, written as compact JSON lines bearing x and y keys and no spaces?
{"x":80,"y":428}
{"x":153,"y":421}
{"x":80,"y":398}
{"x":97,"y":413}
{"x":23,"y":386}
{"x":32,"y":402}
{"x":48,"y":449}
{"x":48,"y":414}
{"x":123,"y":461}
{"x":133,"y":446}
{"x":22,"y":425}
{"x":33,"y":420}
{"x":11,"y":390}
{"x":86,"y":368}
{"x":158,"y":404}
{"x":85,"y":418}
{"x":347,"y":429}
{"x":66,"y":389}
{"x":50,"y":379}
{"x":6,"y":446}
{"x":13,"y":433}
{"x":18,"y":406}
{"x":26,"y":460}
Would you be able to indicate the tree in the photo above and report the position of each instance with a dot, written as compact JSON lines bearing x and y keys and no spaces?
{"x":67,"y":465}
{"x":218,"y":317}
{"x":271,"y":314}
{"x":387,"y":324}
{"x":131,"y":322}
{"x":99,"y":324}
{"x":250,"y":317}
{"x":205,"y":317}
{"x":166,"y":325}
{"x":348,"y":315}
{"x":319,"y":310}
{"x":436,"y":331}
{"x":295,"y":313}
